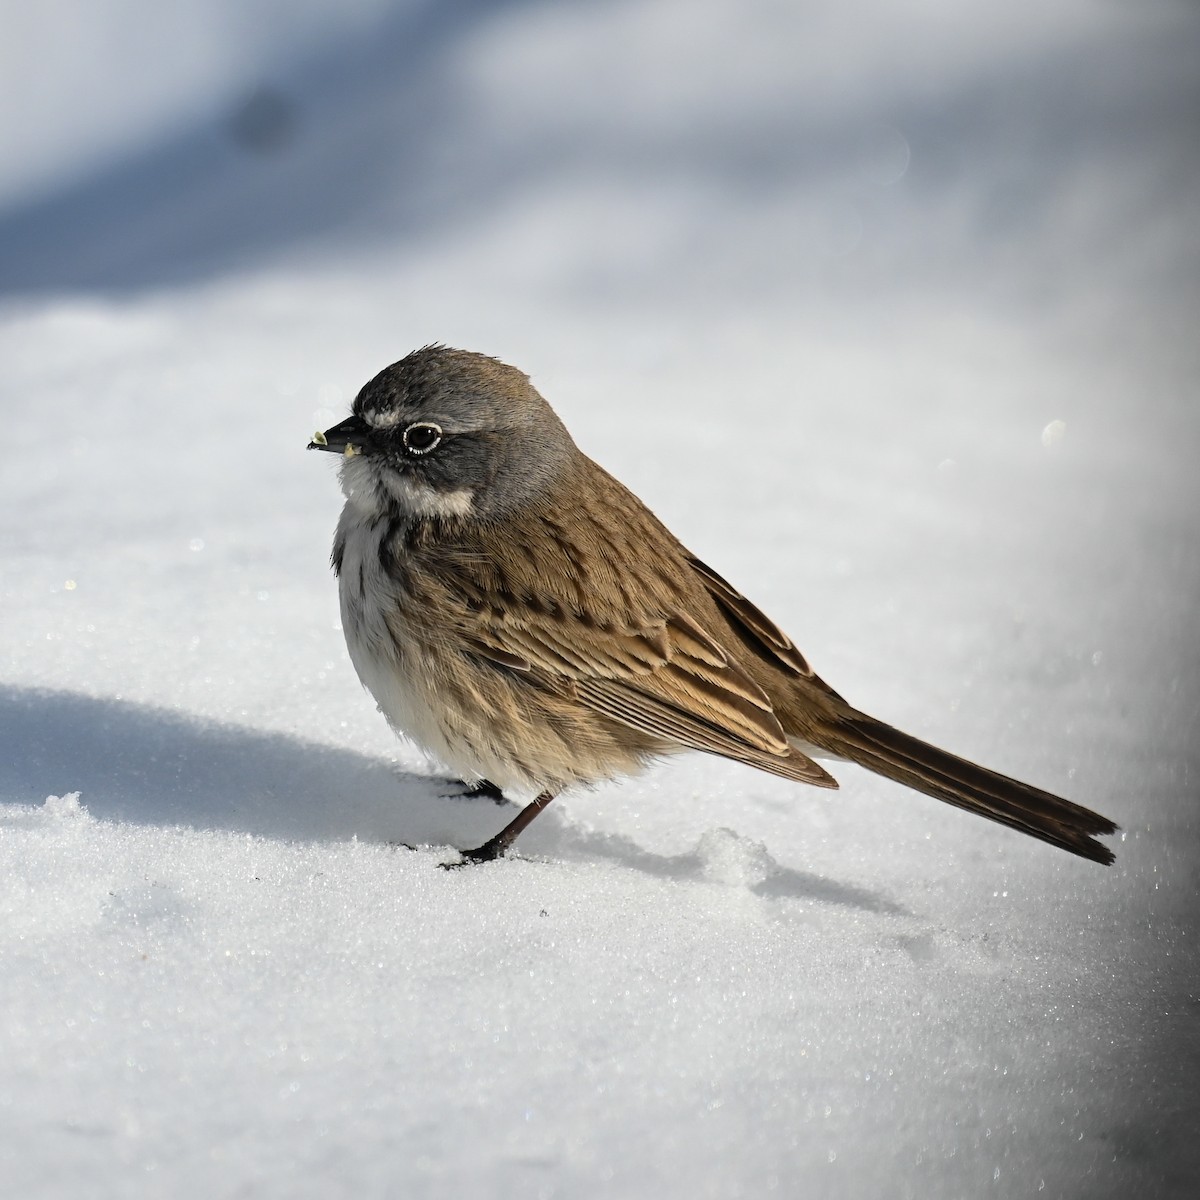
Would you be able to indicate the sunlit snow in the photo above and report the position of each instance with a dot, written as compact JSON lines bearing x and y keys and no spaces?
{"x":888,"y":311}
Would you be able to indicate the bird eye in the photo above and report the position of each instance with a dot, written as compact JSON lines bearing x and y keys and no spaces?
{"x":421,"y":437}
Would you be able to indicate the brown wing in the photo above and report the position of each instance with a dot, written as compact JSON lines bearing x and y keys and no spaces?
{"x":669,"y":679}
{"x":751,"y":622}
{"x":603,"y":600}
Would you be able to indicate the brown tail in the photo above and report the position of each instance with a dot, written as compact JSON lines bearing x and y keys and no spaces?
{"x":896,"y":755}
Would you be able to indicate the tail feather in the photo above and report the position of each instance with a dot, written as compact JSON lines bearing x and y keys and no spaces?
{"x":909,"y":761}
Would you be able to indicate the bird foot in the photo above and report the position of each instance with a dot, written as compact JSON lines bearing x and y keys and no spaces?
{"x":482,"y":789}
{"x":491,"y":850}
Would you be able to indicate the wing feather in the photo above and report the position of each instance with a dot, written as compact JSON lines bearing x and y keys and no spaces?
{"x":656,"y":640}
{"x":751,"y":622}
{"x":671,"y":680}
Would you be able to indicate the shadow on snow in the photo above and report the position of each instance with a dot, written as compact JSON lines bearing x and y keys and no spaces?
{"x":144,"y":765}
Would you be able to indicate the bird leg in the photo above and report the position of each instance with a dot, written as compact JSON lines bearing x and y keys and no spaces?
{"x":497,"y":847}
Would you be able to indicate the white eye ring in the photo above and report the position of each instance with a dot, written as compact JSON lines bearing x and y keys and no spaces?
{"x":421,"y":429}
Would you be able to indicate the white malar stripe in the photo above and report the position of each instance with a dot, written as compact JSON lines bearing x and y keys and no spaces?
{"x":370,"y":486}
{"x":423,"y":501}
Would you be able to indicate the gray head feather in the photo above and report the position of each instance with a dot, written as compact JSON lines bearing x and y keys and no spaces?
{"x":501,"y":443}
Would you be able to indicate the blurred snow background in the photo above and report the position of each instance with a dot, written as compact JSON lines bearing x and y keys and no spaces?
{"x":888,"y":309}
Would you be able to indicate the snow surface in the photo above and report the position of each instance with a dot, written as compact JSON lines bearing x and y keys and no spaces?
{"x":888,"y":310}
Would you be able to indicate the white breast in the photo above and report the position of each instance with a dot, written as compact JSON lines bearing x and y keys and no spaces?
{"x":397,"y":682}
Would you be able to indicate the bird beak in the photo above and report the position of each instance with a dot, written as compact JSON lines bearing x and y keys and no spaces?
{"x":350,"y":437}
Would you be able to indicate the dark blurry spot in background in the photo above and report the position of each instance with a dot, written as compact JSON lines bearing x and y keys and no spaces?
{"x":265,"y":122}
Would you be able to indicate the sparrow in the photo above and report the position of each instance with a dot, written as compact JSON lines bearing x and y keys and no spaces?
{"x":528,"y":621}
